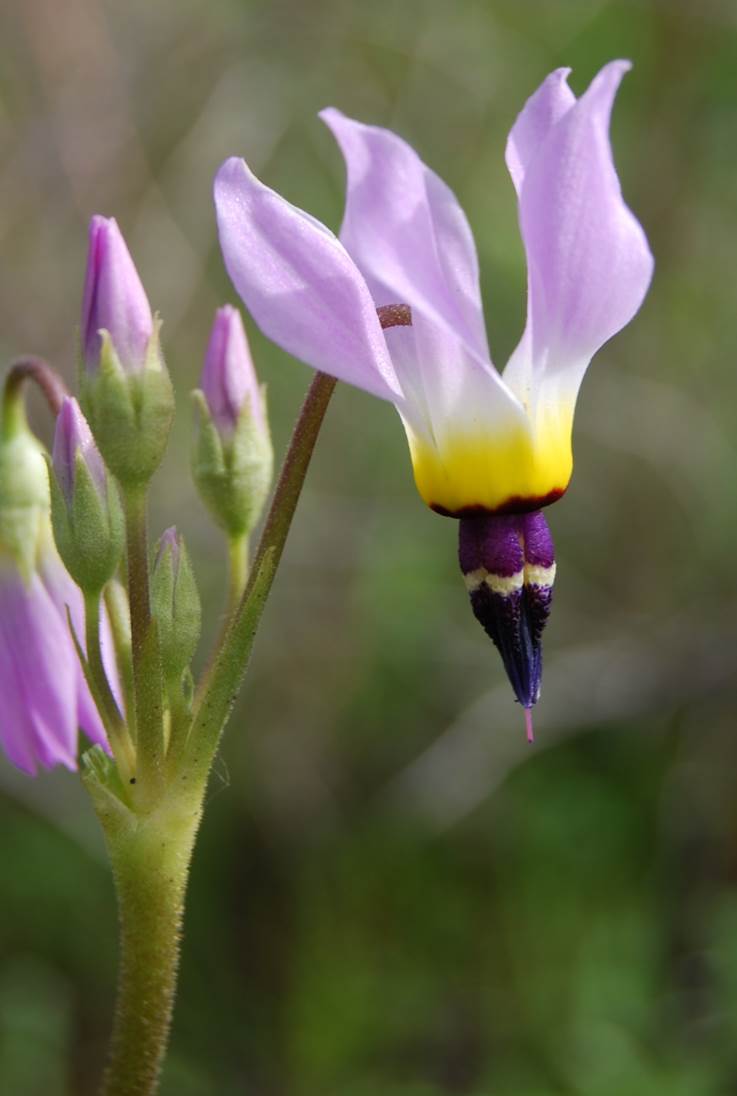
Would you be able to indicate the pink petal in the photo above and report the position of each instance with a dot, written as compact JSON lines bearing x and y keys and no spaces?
{"x":407,"y":233}
{"x":589,"y":264}
{"x":540,"y":113}
{"x":297,"y":281}
{"x":63,"y":592}
{"x":38,"y":719}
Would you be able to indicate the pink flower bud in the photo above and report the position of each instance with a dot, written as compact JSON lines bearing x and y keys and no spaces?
{"x":114,"y":300}
{"x":73,"y":436}
{"x":228,"y":376}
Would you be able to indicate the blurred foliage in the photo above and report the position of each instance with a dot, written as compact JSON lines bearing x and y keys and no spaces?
{"x":392,"y":894}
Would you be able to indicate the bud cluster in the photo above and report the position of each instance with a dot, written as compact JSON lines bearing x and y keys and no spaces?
{"x":103,"y":672}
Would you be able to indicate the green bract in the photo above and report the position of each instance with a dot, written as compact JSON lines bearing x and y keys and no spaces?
{"x":88,"y":532}
{"x":130,"y":413}
{"x":175,"y":606}
{"x":233,"y":473}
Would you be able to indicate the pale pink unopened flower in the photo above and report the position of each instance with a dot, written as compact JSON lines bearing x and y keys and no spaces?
{"x":228,"y":376}
{"x":114,"y":300}
{"x":73,"y":438}
{"x":169,"y":541}
{"x":45,"y":699}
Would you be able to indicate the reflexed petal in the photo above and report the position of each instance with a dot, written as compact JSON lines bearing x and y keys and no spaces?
{"x":299,"y":284}
{"x":406,"y":232}
{"x":38,"y":720}
{"x":409,"y":237}
{"x":64,"y":592}
{"x":589,"y":264}
{"x":538,"y":116}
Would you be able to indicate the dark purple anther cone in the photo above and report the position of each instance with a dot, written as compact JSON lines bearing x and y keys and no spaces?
{"x":508,"y":563}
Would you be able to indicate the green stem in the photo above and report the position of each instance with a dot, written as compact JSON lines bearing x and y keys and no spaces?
{"x":150,"y":851}
{"x":116,"y":603}
{"x":293,"y":472}
{"x":219,"y":687}
{"x":149,"y":713}
{"x":180,"y":716}
{"x":150,"y":856}
{"x":40,"y":372}
{"x":117,"y":731}
{"x":237,"y":570}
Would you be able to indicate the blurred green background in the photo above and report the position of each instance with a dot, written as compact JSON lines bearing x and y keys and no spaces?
{"x":392,"y":894}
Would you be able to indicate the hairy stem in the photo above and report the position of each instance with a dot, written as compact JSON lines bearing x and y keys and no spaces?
{"x":40,"y":372}
{"x":292,"y":475}
{"x":149,"y":715}
{"x":116,"y":603}
{"x":237,"y":570}
{"x":150,"y":856}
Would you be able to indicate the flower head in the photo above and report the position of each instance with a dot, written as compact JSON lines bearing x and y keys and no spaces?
{"x":482,"y":442}
{"x":114,"y":300}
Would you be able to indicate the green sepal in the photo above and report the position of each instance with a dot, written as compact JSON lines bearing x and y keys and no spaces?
{"x":233,"y":474}
{"x":130,"y":413}
{"x":24,"y":497}
{"x":88,"y":533}
{"x":101,"y":778}
{"x":176,"y":608}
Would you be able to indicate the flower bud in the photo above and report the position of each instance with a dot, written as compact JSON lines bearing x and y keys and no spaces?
{"x":175,"y":604}
{"x":44,"y":698}
{"x":24,"y":489}
{"x":125,"y":388}
{"x":233,"y":459}
{"x":85,"y":511}
{"x":114,"y":301}
{"x":508,"y":563}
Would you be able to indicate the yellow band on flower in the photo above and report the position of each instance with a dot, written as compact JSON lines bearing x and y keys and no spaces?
{"x":509,"y":471}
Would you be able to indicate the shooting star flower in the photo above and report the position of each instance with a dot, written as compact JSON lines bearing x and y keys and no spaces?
{"x":484,"y":445}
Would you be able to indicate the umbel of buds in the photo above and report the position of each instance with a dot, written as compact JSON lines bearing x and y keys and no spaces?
{"x":85,"y":510}
{"x":125,"y":388}
{"x":232,"y":460}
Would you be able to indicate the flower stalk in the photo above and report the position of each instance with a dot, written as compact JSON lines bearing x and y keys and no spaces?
{"x":149,"y":716}
{"x":151,"y":843}
{"x":44,"y":377}
{"x":150,"y":856}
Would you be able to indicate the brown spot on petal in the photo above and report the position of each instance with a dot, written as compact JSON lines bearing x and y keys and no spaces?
{"x":394,"y":315}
